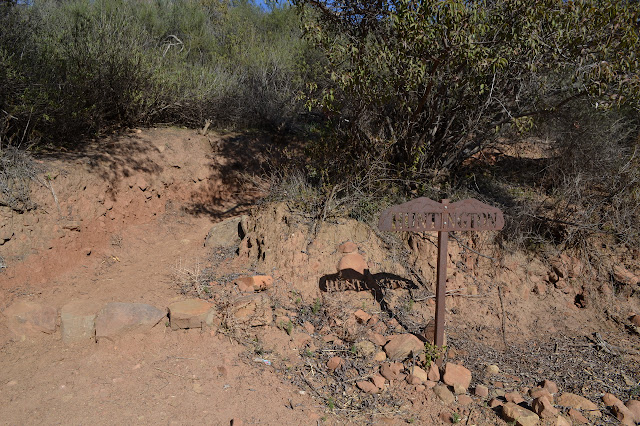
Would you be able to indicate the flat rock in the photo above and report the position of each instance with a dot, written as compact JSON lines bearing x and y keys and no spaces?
{"x":464,"y":400}
{"x":117,"y":318}
{"x":577,"y":417}
{"x":455,"y":374}
{"x":539,"y":392}
{"x":77,"y":321}
{"x":514,"y":397}
{"x":190,"y":313}
{"x":28,"y":318}
{"x":378,"y":380}
{"x":224,"y":234}
{"x":561,"y":421}
{"x":444,"y":394}
{"x":514,"y":413}
{"x":576,"y":401}
{"x":401,"y":346}
{"x":253,"y":310}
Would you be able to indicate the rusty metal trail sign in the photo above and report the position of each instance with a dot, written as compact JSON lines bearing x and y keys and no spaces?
{"x":426,"y":215}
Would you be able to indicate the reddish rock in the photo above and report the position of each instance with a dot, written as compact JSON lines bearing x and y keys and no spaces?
{"x":577,"y":417}
{"x":354,"y":262}
{"x":309,"y":328}
{"x":610,"y":400}
{"x":378,"y":380}
{"x":464,"y":400}
{"x":540,"y":393}
{"x":361,"y":316}
{"x":521,"y":416}
{"x":334,"y":363}
{"x":576,"y":401}
{"x":482,"y":391}
{"x":635,"y":320}
{"x":430,"y":384}
{"x":434,"y":372}
{"x":550,"y":386}
{"x":401,"y":346}
{"x":413,"y":380}
{"x":254,"y":283}
{"x":419,"y":373}
{"x":117,"y":318}
{"x":380,"y":356}
{"x":28,"y":318}
{"x":514,"y":397}
{"x":420,"y":388}
{"x":561,"y":421}
{"x":191,"y":313}
{"x":391,"y":371}
{"x":377,"y":338}
{"x":348,"y":247}
{"x":455,"y":374}
{"x":367,"y":387}
{"x":623,"y":414}
{"x":634,"y":406}
{"x":494,"y":402}
{"x":544,"y":408}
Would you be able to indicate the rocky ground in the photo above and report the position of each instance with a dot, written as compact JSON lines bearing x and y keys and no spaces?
{"x":147,"y":287}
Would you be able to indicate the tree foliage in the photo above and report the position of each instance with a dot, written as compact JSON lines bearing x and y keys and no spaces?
{"x":425,"y":85}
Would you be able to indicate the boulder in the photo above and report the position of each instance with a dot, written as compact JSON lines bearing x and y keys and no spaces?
{"x":253,"y":310}
{"x":77,"y":321}
{"x":550,"y":386}
{"x":191,"y":313}
{"x":577,"y":417}
{"x":224,"y":234}
{"x":455,"y":374}
{"x":540,"y":393}
{"x":401,"y":346}
{"x":28,"y":318}
{"x":117,"y":318}
{"x":512,"y":412}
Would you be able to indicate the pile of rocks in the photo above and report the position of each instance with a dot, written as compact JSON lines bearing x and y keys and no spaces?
{"x":85,"y":320}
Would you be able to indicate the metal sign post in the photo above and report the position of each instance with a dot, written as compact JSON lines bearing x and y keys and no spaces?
{"x":426,"y":215}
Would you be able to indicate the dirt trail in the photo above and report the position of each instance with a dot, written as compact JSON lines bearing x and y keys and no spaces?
{"x":129,"y":213}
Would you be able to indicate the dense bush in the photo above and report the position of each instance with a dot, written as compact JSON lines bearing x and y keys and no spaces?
{"x":424,"y":86}
{"x":72,"y":68}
